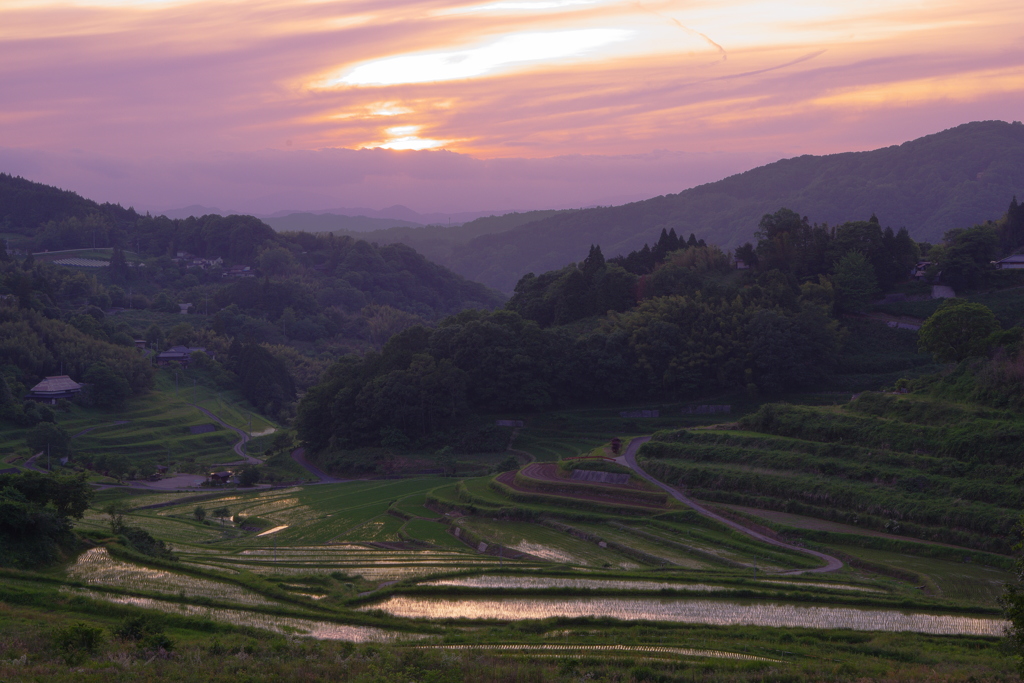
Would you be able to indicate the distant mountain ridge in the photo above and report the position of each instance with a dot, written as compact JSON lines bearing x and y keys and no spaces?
{"x":330,"y":222}
{"x":438,"y":242}
{"x":957,"y":178}
{"x":350,"y":220}
{"x":400,"y":213}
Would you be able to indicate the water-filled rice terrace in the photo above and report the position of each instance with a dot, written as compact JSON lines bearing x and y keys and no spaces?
{"x":400,"y":560}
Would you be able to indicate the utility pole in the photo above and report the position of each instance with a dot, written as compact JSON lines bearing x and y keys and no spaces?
{"x":194,"y":390}
{"x":48,"y":457}
{"x":175,"y":382}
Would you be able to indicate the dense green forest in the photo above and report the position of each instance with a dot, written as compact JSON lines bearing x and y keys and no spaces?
{"x":362,"y":327}
{"x":667,"y":323}
{"x":930,"y":185}
{"x":339,"y":270}
{"x":277,"y":307}
{"x":385,"y":363}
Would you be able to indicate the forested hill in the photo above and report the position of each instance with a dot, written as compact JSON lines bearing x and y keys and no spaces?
{"x":962,"y":176}
{"x":332,"y":222}
{"x":334,"y":271}
{"x":439,"y":242}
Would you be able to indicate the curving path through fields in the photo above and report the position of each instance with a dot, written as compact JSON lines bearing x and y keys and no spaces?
{"x":299,"y":456}
{"x":243,"y":438}
{"x":629,"y":460}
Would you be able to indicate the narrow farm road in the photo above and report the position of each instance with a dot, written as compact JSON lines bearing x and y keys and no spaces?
{"x":299,"y":456}
{"x":243,"y":438}
{"x":629,"y":460}
{"x":31,"y":462}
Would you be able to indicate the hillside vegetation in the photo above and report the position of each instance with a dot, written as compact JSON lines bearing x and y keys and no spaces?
{"x":906,"y":465}
{"x":439,"y":242}
{"x":951,"y":179}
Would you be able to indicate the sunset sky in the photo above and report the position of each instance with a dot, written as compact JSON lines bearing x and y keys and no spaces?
{"x":261,"y":105}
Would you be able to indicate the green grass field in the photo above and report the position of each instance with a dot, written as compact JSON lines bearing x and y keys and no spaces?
{"x":154,"y":427}
{"x":363,"y":560}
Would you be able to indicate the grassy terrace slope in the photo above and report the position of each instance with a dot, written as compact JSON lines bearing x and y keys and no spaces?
{"x":154,"y":428}
{"x":908,"y":466}
{"x":537,"y":575}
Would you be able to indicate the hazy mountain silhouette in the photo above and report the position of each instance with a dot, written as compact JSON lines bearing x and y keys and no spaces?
{"x":956,"y":178}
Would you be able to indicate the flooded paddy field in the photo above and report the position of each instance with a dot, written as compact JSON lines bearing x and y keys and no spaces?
{"x":322,"y":630}
{"x":97,"y":567}
{"x":373,"y":550}
{"x":692,"y":611}
{"x":522,"y":582}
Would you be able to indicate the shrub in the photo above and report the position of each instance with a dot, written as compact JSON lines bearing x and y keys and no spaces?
{"x":142,"y":541}
{"x":136,"y":628}
{"x":76,"y":641}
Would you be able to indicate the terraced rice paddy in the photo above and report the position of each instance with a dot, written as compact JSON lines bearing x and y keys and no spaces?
{"x":631,"y":651}
{"x":323,"y":630}
{"x":435,"y":533}
{"x":831,"y":586}
{"x":540,"y":582}
{"x":97,"y":567}
{"x":332,"y":543}
{"x":546,"y":544}
{"x":372,"y":564}
{"x":715,"y":612}
{"x":952,"y":580}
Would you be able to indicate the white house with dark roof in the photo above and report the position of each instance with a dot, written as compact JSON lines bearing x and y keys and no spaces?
{"x":52,"y":389}
{"x":1014,"y":262}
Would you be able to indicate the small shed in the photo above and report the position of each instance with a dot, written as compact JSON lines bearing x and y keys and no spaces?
{"x":52,"y":389}
{"x":220,"y":477}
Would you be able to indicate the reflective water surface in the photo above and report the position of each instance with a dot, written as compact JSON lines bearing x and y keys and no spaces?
{"x":699,"y":611}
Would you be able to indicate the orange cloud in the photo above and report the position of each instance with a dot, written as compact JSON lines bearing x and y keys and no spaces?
{"x":500,"y":78}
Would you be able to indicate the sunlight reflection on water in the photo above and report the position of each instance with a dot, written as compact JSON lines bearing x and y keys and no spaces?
{"x":717,"y":612}
{"x":531,"y":582}
{"x":323,"y":630}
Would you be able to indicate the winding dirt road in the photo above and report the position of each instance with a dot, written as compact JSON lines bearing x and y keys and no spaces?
{"x":243,"y":438}
{"x":299,"y":456}
{"x":629,"y":460}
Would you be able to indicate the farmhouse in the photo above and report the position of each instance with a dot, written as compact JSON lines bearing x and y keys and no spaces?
{"x":239,"y":271}
{"x":220,"y":477}
{"x":52,"y":389}
{"x":179,"y":354}
{"x":1014,"y":262}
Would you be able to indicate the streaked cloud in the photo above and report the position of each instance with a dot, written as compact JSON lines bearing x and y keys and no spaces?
{"x":481,"y":60}
{"x":519,"y":6}
{"x":174,"y":80}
